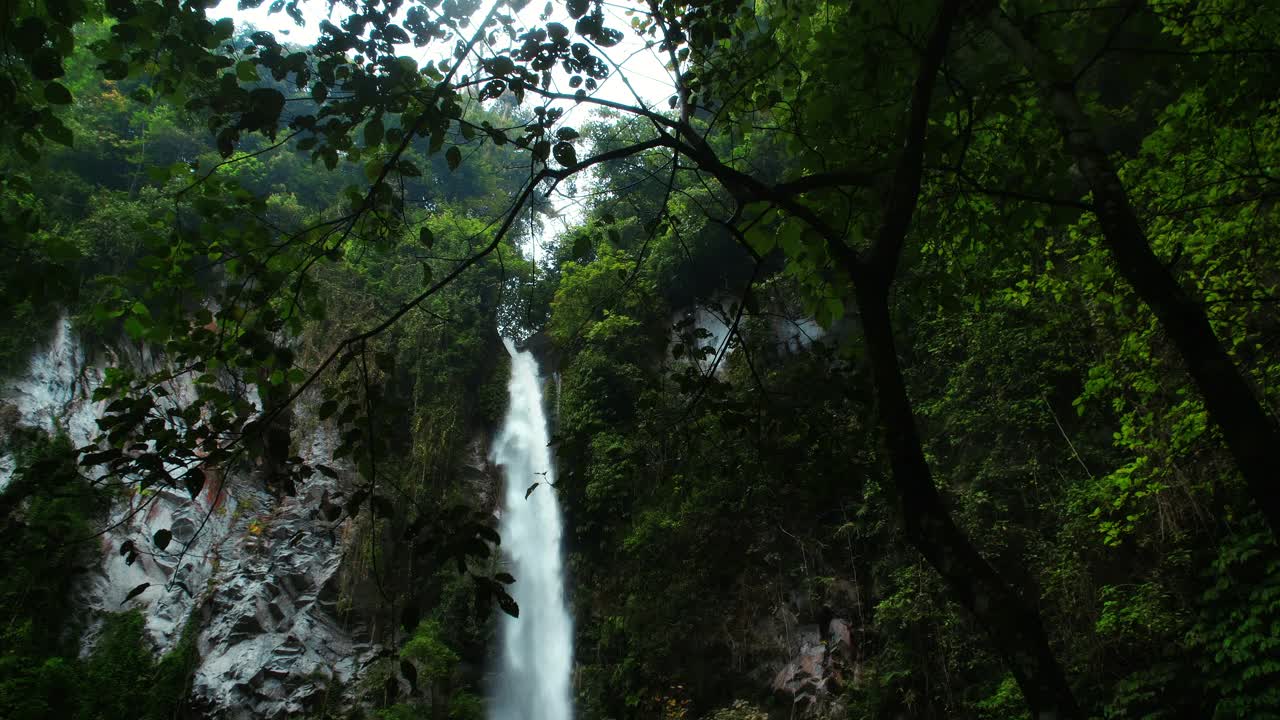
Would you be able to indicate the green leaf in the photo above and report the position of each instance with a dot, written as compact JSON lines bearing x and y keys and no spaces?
{"x":57,"y":94}
{"x":373,"y":131}
{"x":134,"y":329}
{"x":247,"y":71}
{"x":581,"y":246}
{"x":56,"y":131}
{"x":453,"y":156}
{"x":224,"y":29}
{"x":425,"y":237}
{"x":47,"y":64}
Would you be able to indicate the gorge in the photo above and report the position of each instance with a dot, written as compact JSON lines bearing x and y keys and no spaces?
{"x":912,"y":359}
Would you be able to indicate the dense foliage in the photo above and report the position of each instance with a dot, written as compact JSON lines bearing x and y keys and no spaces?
{"x":993,"y":380}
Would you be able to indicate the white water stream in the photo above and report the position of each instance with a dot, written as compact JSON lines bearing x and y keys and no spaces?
{"x":536,"y":651}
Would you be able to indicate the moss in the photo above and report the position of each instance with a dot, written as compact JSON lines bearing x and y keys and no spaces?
{"x":171,"y":684}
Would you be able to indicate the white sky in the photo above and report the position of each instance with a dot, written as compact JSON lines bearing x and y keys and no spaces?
{"x":644,"y":69}
{"x":646,"y":73}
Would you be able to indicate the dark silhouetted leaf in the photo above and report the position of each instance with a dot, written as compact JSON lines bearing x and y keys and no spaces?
{"x":135,"y":592}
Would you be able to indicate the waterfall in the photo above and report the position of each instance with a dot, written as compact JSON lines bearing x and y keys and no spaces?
{"x":536,"y":652}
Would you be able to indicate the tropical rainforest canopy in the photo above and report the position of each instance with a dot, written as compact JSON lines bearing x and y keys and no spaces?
{"x":998,"y":377}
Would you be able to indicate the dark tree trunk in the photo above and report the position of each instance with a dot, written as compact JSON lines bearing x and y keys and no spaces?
{"x":1251,"y":433}
{"x":1010,"y":621}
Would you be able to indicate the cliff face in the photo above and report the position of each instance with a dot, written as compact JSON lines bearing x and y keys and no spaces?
{"x":261,"y":578}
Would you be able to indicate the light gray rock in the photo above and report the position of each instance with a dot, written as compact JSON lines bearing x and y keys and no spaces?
{"x":260,"y":574}
{"x":817,"y":669}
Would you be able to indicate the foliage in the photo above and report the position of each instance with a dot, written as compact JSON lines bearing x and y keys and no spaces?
{"x":1038,"y":422}
{"x":434,"y":658}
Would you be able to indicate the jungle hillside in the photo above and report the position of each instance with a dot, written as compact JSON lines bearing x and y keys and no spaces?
{"x":884,"y":360}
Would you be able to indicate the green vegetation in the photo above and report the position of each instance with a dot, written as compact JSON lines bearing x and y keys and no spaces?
{"x":1000,"y":286}
{"x":49,"y":510}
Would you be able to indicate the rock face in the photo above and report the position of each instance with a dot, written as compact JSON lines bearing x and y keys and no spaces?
{"x":261,"y":575}
{"x":274,"y":639}
{"x":817,"y":669}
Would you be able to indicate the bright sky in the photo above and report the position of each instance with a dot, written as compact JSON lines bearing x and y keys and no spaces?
{"x":644,"y":69}
{"x":646,"y":73}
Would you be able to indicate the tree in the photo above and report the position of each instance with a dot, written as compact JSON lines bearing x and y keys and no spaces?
{"x":1251,"y":432}
{"x":783,"y":77}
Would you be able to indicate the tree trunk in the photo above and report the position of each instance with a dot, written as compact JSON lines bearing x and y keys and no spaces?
{"x":1252,"y":435}
{"x":1010,"y":621}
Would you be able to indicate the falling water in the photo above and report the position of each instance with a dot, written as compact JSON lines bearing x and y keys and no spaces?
{"x":532,"y":681}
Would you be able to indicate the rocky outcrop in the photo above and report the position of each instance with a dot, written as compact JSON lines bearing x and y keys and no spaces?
{"x":260,"y":574}
{"x":275,"y":639}
{"x":818,"y":669}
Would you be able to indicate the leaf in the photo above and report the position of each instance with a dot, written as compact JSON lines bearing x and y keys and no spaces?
{"x":247,"y":71}
{"x":529,"y":492}
{"x":194,"y":480}
{"x":57,"y":94}
{"x":565,"y":154}
{"x":135,"y":592}
{"x":327,"y":471}
{"x":508,"y":604}
{"x":373,"y":131}
{"x":425,"y":237}
{"x":56,"y":131}
{"x":410,"y":672}
{"x":503,"y":65}
{"x":382,"y":507}
{"x":162,"y":538}
{"x":327,"y":409}
{"x":126,"y":547}
{"x":488,"y":533}
{"x":504,"y":578}
{"x":453,"y":156}
{"x":581,"y":247}
{"x":47,"y":64}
